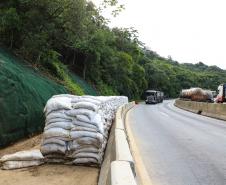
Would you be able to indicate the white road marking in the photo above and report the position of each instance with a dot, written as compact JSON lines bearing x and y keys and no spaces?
{"x":164,"y":114}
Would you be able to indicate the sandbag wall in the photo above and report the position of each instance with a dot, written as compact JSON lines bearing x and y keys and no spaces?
{"x":76,"y":128}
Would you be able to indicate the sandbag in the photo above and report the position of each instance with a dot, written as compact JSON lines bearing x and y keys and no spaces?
{"x":84,"y":124}
{"x":58,"y":114}
{"x":23,"y":156}
{"x":75,"y":112}
{"x":64,"y":125}
{"x":85,"y":99}
{"x":53,"y":148}
{"x":87,"y":150}
{"x":9,"y":165}
{"x":85,"y":161}
{"x":57,"y":103}
{"x":54,"y":120}
{"x":96,"y":120}
{"x":88,"y":155}
{"x":56,"y":132}
{"x":74,"y":147}
{"x":82,"y":129}
{"x":87,"y":141}
{"x":85,"y":105}
{"x":78,"y":134}
{"x":54,"y":140}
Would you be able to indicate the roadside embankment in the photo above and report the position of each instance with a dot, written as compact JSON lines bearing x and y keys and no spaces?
{"x":48,"y":174}
{"x":24,"y":91}
{"x":118,"y":165}
{"x":207,"y":109}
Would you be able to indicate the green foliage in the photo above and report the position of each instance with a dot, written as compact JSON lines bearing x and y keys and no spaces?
{"x":63,"y":35}
{"x":61,"y":72}
{"x":106,"y":90}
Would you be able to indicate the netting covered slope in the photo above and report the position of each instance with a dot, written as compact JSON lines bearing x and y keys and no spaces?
{"x":23,"y":94}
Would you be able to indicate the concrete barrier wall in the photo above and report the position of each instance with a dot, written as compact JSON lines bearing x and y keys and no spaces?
{"x":118,"y":165}
{"x":207,"y":109}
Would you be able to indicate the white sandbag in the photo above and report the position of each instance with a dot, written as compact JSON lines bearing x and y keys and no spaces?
{"x":78,"y":134}
{"x":57,"y":161}
{"x":75,"y":146}
{"x":57,"y":114}
{"x":87,"y":150}
{"x":58,"y":103}
{"x":79,"y":128}
{"x":84,"y":118}
{"x":85,"y":105}
{"x":64,"y":125}
{"x":89,"y":155}
{"x":65,"y":95}
{"x":76,"y":100}
{"x":75,"y":112}
{"x":53,"y":148}
{"x":23,"y":156}
{"x":96,"y":120}
{"x":83,"y":124}
{"x":55,"y":156}
{"x":9,"y":165}
{"x":85,"y":161}
{"x":54,"y":120}
{"x":54,"y":140}
{"x":87,"y":141}
{"x":56,"y":132}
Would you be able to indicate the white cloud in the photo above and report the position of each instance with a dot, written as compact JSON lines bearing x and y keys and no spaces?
{"x":188,"y":30}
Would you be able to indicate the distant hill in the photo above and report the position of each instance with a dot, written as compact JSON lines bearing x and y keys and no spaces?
{"x":170,"y":76}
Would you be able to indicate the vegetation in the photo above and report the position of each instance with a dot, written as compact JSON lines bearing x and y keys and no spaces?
{"x":61,"y":35}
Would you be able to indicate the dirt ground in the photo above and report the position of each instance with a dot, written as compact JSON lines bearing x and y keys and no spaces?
{"x":47,"y":174}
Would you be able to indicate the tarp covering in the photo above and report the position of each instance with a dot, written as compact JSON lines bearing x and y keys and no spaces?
{"x":23,"y":95}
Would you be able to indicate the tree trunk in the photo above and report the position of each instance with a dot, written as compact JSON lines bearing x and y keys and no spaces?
{"x":85,"y":68}
{"x":73,"y":62}
{"x":84,"y":71}
{"x":11,"y":40}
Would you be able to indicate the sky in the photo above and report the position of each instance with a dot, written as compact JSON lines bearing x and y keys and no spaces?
{"x":187,"y":30}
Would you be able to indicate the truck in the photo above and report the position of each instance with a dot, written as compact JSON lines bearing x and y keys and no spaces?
{"x":221,"y":97}
{"x":153,"y":96}
{"x":196,"y":94}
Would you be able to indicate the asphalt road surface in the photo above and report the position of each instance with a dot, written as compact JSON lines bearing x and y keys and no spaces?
{"x":179,"y":147}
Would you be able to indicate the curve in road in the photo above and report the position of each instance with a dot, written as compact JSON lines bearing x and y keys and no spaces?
{"x":179,"y":147}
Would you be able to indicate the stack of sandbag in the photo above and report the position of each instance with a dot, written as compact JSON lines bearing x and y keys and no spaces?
{"x":22,"y":159}
{"x":76,"y":128}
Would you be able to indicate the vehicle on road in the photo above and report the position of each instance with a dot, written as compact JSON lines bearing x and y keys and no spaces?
{"x":221,"y":97}
{"x":153,"y":97}
{"x":197,"y":94}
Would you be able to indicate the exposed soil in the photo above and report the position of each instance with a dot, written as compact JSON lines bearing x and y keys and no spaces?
{"x":47,"y":174}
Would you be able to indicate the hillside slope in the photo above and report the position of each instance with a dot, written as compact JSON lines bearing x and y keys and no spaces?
{"x":23,"y":94}
{"x":170,"y":76}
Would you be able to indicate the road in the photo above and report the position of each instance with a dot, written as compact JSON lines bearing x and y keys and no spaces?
{"x":178,"y":147}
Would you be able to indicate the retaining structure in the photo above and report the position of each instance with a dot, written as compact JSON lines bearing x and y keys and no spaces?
{"x":214,"y":110}
{"x":118,"y":165}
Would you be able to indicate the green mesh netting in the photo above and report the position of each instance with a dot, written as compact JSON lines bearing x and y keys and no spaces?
{"x":23,"y":95}
{"x":84,"y":85}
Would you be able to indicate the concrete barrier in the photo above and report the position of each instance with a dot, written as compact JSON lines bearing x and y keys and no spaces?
{"x":118,"y":165}
{"x":121,"y":173}
{"x":214,"y":110}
